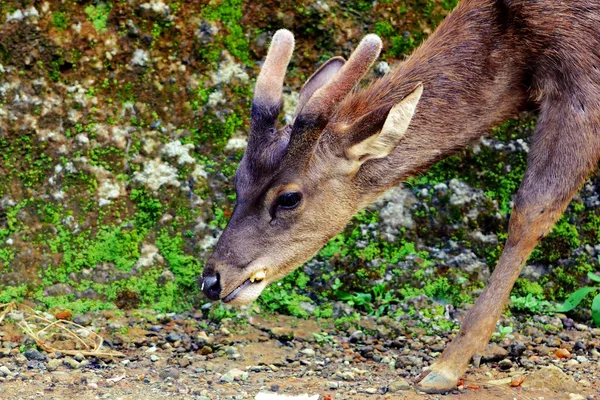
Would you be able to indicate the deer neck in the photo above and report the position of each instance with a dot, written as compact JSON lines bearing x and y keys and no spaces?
{"x":474,"y":77}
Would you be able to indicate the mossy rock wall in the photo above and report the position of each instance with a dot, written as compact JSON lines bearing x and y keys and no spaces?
{"x":121,"y":126}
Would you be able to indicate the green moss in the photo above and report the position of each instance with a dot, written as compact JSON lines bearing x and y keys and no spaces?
{"x":98,"y":15}
{"x":186,"y":268}
{"x":282,"y":296}
{"x":524,"y":287}
{"x":13,"y":293}
{"x":77,"y":306}
{"x":559,"y":244}
{"x":60,"y":20}
{"x":229,"y":13}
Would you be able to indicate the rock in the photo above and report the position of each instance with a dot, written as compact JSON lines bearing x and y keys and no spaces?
{"x":517,"y":380}
{"x":398,"y":385}
{"x":5,"y":371}
{"x":282,"y":333}
{"x":357,"y":336}
{"x":371,"y":390}
{"x":581,"y":327}
{"x":33,"y":354}
{"x":550,"y":378}
{"x":308,"y":352}
{"x":562,"y":353}
{"x":173,"y":337}
{"x":505,"y":364}
{"x":79,"y":357}
{"x":71,"y":362}
{"x":333,"y":385}
{"x":234,"y":375}
{"x":169,"y":373}
{"x":53,"y":364}
{"x":516,"y":349}
{"x":154,"y":358}
{"x":60,"y":289}
{"x":344,"y":375}
{"x":498,"y":382}
{"x":493,"y":352}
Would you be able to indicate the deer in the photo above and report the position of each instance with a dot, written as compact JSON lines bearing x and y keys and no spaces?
{"x":297,"y":186}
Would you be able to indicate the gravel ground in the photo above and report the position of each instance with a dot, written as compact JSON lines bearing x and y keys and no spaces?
{"x":186,"y":356}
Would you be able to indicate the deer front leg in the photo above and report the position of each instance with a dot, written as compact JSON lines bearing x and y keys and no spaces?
{"x":525,"y":229}
{"x":562,"y":155}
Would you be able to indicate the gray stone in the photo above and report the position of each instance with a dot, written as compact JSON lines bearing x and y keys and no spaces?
{"x":234,"y":375}
{"x":173,"y":337}
{"x":398,"y":385}
{"x":505,"y":364}
{"x":53,"y":364}
{"x":33,"y":354}
{"x":516,"y":349}
{"x":169,"y":373}
{"x":60,"y":289}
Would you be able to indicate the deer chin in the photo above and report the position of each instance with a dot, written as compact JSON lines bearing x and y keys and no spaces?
{"x":246,"y":293}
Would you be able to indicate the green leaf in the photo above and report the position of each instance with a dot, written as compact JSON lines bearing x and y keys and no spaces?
{"x":594,"y":277}
{"x":575,"y":298}
{"x":596,"y":310}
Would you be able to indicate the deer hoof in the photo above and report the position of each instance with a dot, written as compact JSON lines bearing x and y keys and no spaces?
{"x":438,"y":380}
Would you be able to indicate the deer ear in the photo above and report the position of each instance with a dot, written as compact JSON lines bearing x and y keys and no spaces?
{"x":369,"y":139}
{"x":319,"y":79}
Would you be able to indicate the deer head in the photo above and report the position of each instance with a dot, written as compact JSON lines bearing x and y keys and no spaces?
{"x":296,"y":186}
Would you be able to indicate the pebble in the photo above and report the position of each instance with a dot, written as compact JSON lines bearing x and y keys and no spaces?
{"x":4,"y":370}
{"x":581,"y":327}
{"x":308,"y":352}
{"x":516,"y":349}
{"x":371,"y":390}
{"x":154,"y":358}
{"x":169,"y":373}
{"x":517,"y":380}
{"x":398,"y":385}
{"x":53,"y":364}
{"x":562,"y":353}
{"x":234,"y":375}
{"x":71,"y":362}
{"x":33,"y":354}
{"x":173,"y":337}
{"x":505,"y":364}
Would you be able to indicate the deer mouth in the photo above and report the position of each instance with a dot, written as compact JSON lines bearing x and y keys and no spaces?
{"x":256,"y":278}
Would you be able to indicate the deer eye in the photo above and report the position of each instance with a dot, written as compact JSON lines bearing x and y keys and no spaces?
{"x":288,"y":201}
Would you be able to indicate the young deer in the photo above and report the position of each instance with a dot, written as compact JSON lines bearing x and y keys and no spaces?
{"x":298,"y":186}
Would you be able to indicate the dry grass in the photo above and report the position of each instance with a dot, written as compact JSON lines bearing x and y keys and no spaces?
{"x":60,"y":335}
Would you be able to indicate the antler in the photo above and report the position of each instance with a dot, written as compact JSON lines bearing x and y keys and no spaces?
{"x":269,"y":84}
{"x":327,"y":97}
{"x":268,"y":98}
{"x":314,"y":116}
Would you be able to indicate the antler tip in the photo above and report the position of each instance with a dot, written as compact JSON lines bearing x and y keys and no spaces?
{"x":284,"y":36}
{"x":373,"y":41}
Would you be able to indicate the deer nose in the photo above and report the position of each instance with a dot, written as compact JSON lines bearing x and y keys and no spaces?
{"x":211,"y":286}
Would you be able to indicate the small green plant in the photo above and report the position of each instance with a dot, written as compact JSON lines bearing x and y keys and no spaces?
{"x":502,"y":332}
{"x":531,"y":303}
{"x":98,"y":16}
{"x":577,"y":296}
{"x":60,"y":20}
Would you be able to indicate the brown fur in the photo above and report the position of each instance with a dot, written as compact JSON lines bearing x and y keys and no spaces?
{"x":486,"y":61}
